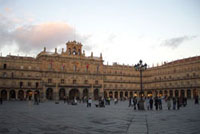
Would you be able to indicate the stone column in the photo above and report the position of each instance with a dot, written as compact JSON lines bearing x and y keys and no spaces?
{"x":179,"y":92}
{"x":185,"y":90}
{"x":168,"y":93}
{"x":118,"y":93}
{"x":173,"y":90}
{"x":8,"y":95}
{"x":56,"y":93}
{"x":16,"y":94}
{"x":33,"y":95}
{"x":91,"y":92}
{"x":145,"y":94}
{"x":192,"y":94}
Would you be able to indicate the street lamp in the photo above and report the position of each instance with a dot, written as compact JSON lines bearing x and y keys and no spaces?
{"x":141,"y":67}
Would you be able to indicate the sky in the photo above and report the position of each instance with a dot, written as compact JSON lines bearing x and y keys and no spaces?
{"x":124,"y":31}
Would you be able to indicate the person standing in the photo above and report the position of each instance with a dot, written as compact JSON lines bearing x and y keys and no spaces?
{"x":174,"y":104}
{"x":168,"y":103}
{"x":196,"y":100}
{"x":151,"y":103}
{"x":178,"y":103}
{"x":156,"y":102}
{"x":134,"y":102}
{"x":147,"y":103}
{"x":89,"y":102}
{"x":160,"y":103}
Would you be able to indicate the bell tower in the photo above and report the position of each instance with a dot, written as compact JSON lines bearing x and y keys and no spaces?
{"x":74,"y":48}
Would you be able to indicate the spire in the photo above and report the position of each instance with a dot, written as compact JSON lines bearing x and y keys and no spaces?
{"x":56,"y":50}
{"x":92,"y":54}
{"x":44,"y":49}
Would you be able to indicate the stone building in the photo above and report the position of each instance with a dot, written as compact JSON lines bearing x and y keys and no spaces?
{"x":70,"y":73}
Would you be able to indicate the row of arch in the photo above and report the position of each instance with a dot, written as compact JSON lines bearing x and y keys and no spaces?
{"x":172,"y":93}
{"x":49,"y":95}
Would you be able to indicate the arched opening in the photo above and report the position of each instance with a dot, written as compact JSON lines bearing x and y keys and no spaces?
{"x":195,"y":93}
{"x":4,"y":94}
{"x":161,"y":93}
{"x":189,"y":94}
{"x":12,"y":94}
{"x":149,"y":94}
{"x":131,"y":94}
{"x":116,"y":94}
{"x":49,"y":94}
{"x":171,"y":93}
{"x":29,"y":94}
{"x":126,"y":94}
{"x":21,"y":95}
{"x":182,"y":93}
{"x":111,"y":94}
{"x":176,"y":93}
{"x":85,"y":93}
{"x":165,"y":93}
{"x":62,"y":94}
{"x":121,"y":95}
{"x":96,"y":94}
{"x":105,"y":94}
{"x":74,"y":93}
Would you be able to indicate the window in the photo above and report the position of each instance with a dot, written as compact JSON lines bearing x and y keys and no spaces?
{"x":4,"y":66}
{"x":96,"y":81}
{"x":97,"y":68}
{"x":12,"y":75}
{"x":75,"y":68}
{"x":62,"y":81}
{"x":21,"y":84}
{"x":49,"y":80}
{"x":29,"y":67}
{"x":86,"y":82}
{"x":29,"y":84}
{"x":4,"y":74}
{"x":36,"y":84}
{"x":74,"y":81}
{"x":21,"y":67}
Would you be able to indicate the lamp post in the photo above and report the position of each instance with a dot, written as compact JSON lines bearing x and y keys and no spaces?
{"x":141,"y":67}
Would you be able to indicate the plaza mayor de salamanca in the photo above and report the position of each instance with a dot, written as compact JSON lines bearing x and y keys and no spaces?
{"x":53,"y":76}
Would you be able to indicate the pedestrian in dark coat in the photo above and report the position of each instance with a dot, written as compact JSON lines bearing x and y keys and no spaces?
{"x":151,"y":103}
{"x":174,"y":104}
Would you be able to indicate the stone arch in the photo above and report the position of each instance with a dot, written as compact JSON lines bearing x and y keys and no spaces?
{"x":96,"y":94}
{"x":126,"y":94}
{"x":21,"y":95}
{"x":189,"y":94}
{"x":176,"y":93}
{"x":12,"y":94}
{"x":182,"y":93}
{"x":4,"y":94}
{"x":49,"y":94}
{"x":62,"y":93}
{"x":85,"y":93}
{"x":170,"y":93}
{"x":131,"y":93}
{"x":121,"y":95}
{"x":111,"y":94}
{"x":165,"y":93}
{"x":116,"y":94}
{"x":74,"y":93}
{"x":105,"y":94}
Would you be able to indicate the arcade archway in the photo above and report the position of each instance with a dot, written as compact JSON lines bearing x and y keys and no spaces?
{"x":49,"y":94}
{"x":4,"y":94}
{"x":12,"y":94}
{"x":74,"y":93}
{"x":61,"y":93}
{"x":21,"y":95}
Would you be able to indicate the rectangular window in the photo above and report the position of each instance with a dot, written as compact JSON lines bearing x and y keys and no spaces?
{"x":74,"y":81}
{"x":29,"y":84}
{"x":62,"y":81}
{"x":4,"y":66}
{"x":36,"y":84}
{"x":49,"y":80}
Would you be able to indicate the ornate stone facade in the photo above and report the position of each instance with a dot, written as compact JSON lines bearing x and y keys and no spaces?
{"x":72,"y":74}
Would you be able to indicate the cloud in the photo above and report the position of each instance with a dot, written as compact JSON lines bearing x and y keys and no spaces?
{"x":34,"y":37}
{"x":177,"y":41}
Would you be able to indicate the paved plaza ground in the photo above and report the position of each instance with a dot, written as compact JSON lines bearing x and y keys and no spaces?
{"x":22,"y":117}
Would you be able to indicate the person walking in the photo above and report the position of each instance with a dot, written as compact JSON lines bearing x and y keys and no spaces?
{"x":160,"y":103}
{"x":168,"y":103}
{"x":147,"y":103}
{"x":174,"y":104}
{"x":1,"y":100}
{"x":134,"y":102}
{"x":196,"y":101}
{"x":89,"y":102}
{"x":151,"y":103}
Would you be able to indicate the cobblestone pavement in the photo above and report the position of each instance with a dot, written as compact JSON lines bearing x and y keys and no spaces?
{"x":49,"y":118}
